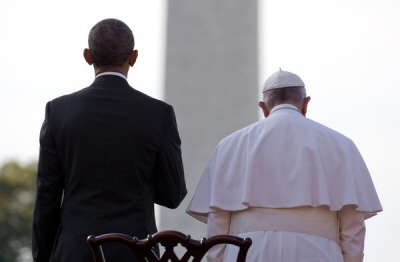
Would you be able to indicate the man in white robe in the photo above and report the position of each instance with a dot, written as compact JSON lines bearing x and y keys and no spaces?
{"x":301,"y":191}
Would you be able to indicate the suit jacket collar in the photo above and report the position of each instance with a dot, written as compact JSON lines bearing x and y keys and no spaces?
{"x":110,"y":80}
{"x":112,"y":73}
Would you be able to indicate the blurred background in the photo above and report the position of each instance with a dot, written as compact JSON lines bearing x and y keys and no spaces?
{"x":346,"y":51}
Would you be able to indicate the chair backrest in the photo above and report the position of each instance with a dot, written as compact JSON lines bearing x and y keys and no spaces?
{"x":168,"y":239}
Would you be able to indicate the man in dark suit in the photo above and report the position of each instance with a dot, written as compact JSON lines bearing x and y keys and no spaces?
{"x":107,"y":153}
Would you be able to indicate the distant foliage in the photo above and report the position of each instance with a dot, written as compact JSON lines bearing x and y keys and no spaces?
{"x":17,"y":196}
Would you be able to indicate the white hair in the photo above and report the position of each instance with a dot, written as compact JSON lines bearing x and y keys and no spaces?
{"x":278,"y":96}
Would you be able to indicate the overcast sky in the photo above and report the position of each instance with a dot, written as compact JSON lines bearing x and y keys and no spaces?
{"x":348,"y":54}
{"x":346,"y":51}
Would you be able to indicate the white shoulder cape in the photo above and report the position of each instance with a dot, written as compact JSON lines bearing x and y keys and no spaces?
{"x":284,"y":161}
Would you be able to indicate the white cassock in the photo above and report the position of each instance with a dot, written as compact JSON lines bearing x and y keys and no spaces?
{"x":300,"y":190}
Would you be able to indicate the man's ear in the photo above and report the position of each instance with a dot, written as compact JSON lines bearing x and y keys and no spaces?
{"x":132,"y":57}
{"x":305,"y":105}
{"x":264,"y":108}
{"x":88,"y":56}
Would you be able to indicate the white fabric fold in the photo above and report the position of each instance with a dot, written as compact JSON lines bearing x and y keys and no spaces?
{"x":318,"y":221}
{"x":310,"y":165}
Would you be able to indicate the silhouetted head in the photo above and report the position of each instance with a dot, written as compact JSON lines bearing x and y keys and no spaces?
{"x":111,"y":42}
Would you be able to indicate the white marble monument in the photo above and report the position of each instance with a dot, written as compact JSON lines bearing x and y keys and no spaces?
{"x":211,"y":81}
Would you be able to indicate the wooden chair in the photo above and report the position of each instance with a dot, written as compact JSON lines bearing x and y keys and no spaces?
{"x":169,"y":239}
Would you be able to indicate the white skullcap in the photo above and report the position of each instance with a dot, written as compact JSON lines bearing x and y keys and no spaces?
{"x":282,"y":79}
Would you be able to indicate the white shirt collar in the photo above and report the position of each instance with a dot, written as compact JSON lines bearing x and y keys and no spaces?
{"x":112,"y":73}
{"x":282,"y":106}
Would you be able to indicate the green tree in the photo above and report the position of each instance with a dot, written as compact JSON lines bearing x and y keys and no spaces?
{"x":17,"y":195}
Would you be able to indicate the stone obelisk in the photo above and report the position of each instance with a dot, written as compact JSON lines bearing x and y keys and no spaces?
{"x":211,"y":81}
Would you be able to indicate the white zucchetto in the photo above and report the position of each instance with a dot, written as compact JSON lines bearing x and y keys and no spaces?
{"x":282,"y":79}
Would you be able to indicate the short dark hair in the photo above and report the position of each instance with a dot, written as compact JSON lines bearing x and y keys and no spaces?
{"x":282,"y":95}
{"x":111,"y":42}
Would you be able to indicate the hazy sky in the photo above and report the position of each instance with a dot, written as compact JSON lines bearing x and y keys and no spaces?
{"x":346,"y":51}
{"x":348,"y":54}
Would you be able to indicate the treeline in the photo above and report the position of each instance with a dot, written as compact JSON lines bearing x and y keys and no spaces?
{"x":17,"y":196}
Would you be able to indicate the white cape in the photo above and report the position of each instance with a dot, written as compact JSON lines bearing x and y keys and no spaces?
{"x":284,"y":161}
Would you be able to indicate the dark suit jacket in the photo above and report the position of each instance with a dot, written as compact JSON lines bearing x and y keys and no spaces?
{"x":107,"y":154}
